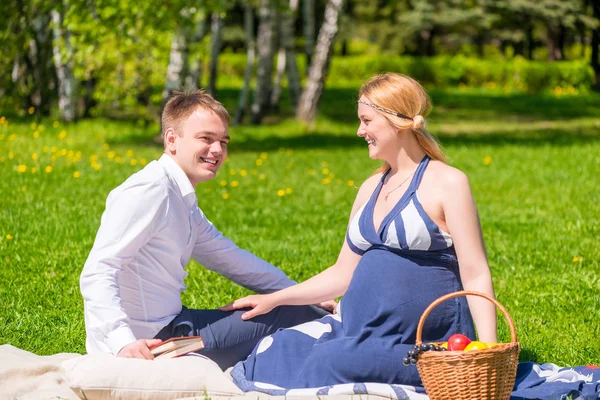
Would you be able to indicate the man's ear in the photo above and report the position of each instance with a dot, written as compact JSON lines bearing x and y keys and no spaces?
{"x":170,"y":139}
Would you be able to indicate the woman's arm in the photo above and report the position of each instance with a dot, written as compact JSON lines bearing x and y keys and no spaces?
{"x":463,"y":224}
{"x":329,"y":284}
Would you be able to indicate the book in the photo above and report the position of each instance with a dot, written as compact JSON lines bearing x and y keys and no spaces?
{"x":177,"y":346}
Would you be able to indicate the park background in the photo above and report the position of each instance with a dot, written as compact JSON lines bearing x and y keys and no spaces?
{"x":513,"y":85}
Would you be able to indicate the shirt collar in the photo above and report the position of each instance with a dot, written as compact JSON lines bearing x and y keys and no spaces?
{"x":183,"y":183}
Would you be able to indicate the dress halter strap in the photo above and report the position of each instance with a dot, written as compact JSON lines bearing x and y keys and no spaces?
{"x":416,"y":180}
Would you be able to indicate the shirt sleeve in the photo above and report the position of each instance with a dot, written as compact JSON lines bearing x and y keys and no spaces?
{"x":220,"y":254}
{"x":133,"y":214}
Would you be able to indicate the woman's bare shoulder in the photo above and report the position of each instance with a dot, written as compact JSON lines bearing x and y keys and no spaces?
{"x":446,"y":176}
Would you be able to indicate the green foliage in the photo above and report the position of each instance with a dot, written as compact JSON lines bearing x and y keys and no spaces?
{"x":532,"y":161}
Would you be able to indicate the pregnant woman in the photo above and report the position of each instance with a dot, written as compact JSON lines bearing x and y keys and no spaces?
{"x":414,"y":235}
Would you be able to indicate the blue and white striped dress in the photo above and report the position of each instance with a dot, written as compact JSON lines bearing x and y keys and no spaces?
{"x":406,"y":264}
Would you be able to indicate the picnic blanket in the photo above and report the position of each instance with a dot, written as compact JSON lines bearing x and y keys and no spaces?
{"x":533,"y":382}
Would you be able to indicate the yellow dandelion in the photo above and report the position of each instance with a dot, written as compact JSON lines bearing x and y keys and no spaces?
{"x":34,"y":156}
{"x":33,"y":170}
{"x":76,"y":174}
{"x":133,"y":162}
{"x":93,"y":158}
{"x":325,"y":171}
{"x":232,"y":172}
{"x":263,"y":155}
{"x":326,"y":181}
{"x":111,"y":154}
{"x":129,"y":153}
{"x":223,"y":183}
{"x":2,"y":120}
{"x":225,"y":196}
{"x":36,"y":134}
{"x":288,"y":191}
{"x":22,"y":168}
{"x":119,"y":160}
{"x":53,"y":149}
{"x":10,"y":155}
{"x":243,"y":172}
{"x":262,"y":177}
{"x":9,"y":237}
{"x":105,"y":146}
{"x":62,"y":134}
{"x":96,"y":166}
{"x":78,"y":154}
{"x":281,"y":192}
{"x":63,"y":152}
{"x":55,"y":124}
{"x":70,"y":154}
{"x":12,"y":137}
{"x":487,"y":160}
{"x":350,"y":183}
{"x":577,"y":259}
{"x":31,"y":110}
{"x":235,"y":184}
{"x":143,"y":161}
{"x":259,"y":162}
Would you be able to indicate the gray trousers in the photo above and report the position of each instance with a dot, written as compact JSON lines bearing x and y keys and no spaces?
{"x":229,"y":339}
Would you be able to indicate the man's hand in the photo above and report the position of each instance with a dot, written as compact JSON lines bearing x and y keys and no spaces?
{"x":139,"y":349}
{"x":260,"y":304}
{"x":330,"y":306}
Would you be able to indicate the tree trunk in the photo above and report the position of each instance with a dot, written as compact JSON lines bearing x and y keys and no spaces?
{"x":194,"y":79}
{"x":266,"y":39}
{"x":276,"y":92}
{"x":288,"y":42}
{"x":308,"y":15}
{"x":553,"y":40}
{"x":178,"y":62}
{"x":216,"y":28}
{"x":530,"y":42}
{"x":596,"y":44}
{"x":250,"y":53}
{"x":63,"y":62}
{"x":309,"y":100}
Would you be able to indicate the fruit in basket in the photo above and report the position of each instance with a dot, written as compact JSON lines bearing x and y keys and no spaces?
{"x":493,"y":344}
{"x":444,"y":345}
{"x":458,"y":341}
{"x":476,"y":345}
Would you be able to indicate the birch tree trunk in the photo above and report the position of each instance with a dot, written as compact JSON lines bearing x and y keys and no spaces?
{"x":308,"y":14}
{"x":178,"y":62}
{"x":216,"y":28}
{"x":194,"y":79}
{"x":307,"y":109}
{"x":276,"y":92}
{"x":250,"y":53}
{"x":63,"y":62}
{"x":265,"y":62}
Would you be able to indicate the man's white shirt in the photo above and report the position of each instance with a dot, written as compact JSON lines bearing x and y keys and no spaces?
{"x":133,"y":277}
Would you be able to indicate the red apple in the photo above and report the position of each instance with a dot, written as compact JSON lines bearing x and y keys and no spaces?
{"x":458,"y":341}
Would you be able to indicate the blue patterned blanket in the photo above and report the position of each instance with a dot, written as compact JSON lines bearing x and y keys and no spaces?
{"x":534,"y":382}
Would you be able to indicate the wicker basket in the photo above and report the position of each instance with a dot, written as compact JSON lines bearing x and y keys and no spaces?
{"x":469,"y":375}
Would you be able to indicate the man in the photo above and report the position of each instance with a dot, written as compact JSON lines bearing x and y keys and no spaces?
{"x":151,"y":227}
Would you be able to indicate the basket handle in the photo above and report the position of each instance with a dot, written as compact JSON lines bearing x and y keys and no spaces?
{"x":511,"y":324}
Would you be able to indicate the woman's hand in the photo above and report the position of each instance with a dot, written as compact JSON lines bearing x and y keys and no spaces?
{"x":260,"y":304}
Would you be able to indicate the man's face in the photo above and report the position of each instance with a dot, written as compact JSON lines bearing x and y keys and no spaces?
{"x":201,"y":145}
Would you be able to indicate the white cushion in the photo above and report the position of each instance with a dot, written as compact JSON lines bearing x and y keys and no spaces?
{"x":104,"y":376}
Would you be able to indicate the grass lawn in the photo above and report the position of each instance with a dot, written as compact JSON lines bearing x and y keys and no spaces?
{"x":285,"y":194}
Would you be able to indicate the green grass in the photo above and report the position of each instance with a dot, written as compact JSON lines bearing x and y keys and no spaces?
{"x":538,"y":201}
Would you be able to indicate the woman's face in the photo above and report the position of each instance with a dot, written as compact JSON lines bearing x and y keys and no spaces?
{"x":380,"y":135}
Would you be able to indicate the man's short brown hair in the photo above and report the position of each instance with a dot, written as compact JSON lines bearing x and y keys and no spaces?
{"x":182,"y":103}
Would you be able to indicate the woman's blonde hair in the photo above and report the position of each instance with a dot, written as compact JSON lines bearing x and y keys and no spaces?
{"x":392,"y":94}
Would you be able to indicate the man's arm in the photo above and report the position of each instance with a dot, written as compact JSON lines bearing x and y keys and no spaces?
{"x":220,"y":254}
{"x":131,"y":217}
